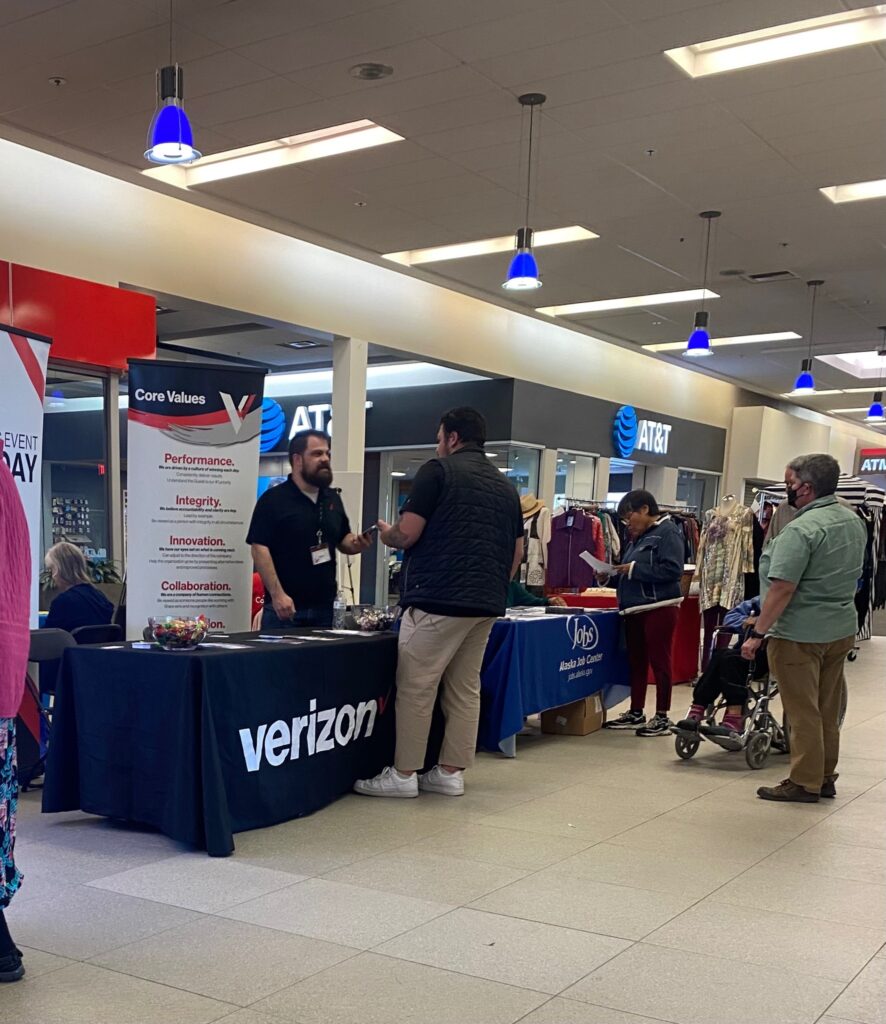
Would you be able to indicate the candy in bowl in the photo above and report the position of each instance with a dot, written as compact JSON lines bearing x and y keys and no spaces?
{"x":177,"y":632}
{"x":374,"y":618}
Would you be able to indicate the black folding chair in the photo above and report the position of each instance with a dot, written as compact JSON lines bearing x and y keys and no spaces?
{"x":106,"y":633}
{"x":46,"y":650}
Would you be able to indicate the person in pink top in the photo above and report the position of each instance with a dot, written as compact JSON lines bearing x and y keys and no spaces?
{"x":15,"y":594}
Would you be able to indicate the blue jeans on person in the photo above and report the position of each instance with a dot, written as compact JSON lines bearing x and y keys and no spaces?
{"x":319,"y":616}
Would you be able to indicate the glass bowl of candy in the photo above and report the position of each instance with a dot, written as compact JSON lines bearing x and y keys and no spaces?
{"x":370,"y":618}
{"x":178,"y":632}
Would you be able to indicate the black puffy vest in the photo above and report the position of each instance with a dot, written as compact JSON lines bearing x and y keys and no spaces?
{"x":464,"y":556}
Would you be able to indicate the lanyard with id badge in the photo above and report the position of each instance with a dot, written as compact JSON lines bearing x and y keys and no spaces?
{"x":320,"y":552}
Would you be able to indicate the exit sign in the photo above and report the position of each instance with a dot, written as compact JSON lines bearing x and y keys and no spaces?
{"x":872,"y":460}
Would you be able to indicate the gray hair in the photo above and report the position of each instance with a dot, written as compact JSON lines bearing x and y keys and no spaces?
{"x":69,"y":562}
{"x":821,"y":472}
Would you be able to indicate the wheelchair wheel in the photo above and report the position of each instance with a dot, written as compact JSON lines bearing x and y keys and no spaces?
{"x":852,"y":655}
{"x":686,"y":746}
{"x":757,"y":751}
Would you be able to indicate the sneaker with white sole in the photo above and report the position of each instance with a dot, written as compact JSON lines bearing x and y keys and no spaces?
{"x":628,"y":720}
{"x":389,"y":782}
{"x":439,"y":781}
{"x":658,"y":725}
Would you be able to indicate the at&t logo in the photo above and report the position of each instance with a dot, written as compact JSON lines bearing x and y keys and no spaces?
{"x":582,"y":632}
{"x":624,"y":431}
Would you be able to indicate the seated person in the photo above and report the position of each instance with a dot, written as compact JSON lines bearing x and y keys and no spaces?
{"x":79,"y":603}
{"x":727,"y":674}
{"x":520,"y":597}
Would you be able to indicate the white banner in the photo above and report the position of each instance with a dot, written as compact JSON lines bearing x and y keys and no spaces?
{"x":192,"y":472}
{"x":22,"y":388}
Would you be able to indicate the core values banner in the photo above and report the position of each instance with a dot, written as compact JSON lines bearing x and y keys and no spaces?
{"x":22,"y":387}
{"x":192,"y":473}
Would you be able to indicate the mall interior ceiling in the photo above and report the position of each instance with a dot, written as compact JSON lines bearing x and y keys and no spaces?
{"x":630,"y":147}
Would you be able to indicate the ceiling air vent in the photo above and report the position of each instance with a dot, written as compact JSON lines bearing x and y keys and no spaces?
{"x":772,"y":277}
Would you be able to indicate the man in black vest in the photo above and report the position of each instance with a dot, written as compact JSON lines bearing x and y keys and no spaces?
{"x":462,"y":530}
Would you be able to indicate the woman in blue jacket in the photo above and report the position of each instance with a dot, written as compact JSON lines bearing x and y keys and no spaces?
{"x":650,"y":573}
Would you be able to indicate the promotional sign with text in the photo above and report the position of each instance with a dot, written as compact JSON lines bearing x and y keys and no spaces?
{"x":22,"y":387}
{"x":192,"y":472}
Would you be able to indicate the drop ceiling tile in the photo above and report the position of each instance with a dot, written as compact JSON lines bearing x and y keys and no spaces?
{"x":545,"y":24}
{"x":13,"y":10}
{"x":68,"y":111}
{"x":665,"y":98}
{"x":431,"y":17}
{"x":431,"y":97}
{"x":292,"y":51}
{"x":375,"y":180}
{"x":480,"y":113}
{"x":254,"y":98}
{"x":409,"y":60}
{"x":643,"y":10}
{"x":844,"y":165}
{"x":125,"y":139}
{"x":74,"y":25}
{"x":306,"y":117}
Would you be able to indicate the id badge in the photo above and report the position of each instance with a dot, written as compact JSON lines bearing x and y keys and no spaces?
{"x":320,"y":554}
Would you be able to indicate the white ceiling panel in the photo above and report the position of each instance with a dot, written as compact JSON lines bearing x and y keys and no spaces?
{"x":244,"y":101}
{"x":627,"y":105}
{"x":431,"y":17}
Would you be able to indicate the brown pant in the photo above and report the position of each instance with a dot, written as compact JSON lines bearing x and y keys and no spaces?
{"x":810,"y":680}
{"x":437,"y":649}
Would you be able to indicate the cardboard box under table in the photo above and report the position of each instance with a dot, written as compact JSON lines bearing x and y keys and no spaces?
{"x":580,"y":718}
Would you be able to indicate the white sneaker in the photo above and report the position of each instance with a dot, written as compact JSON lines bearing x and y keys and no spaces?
{"x":439,"y":781}
{"x":388,"y":783}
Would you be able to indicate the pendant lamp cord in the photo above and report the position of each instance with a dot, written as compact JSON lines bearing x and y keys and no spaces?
{"x":529,"y":166}
{"x":170,"y":32}
{"x":812,"y":319}
{"x":707,"y":258}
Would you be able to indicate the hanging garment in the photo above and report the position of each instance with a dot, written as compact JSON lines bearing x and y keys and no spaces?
{"x":726,"y":553}
{"x":572,"y":532}
{"x":782,"y":515}
{"x":536,"y":537}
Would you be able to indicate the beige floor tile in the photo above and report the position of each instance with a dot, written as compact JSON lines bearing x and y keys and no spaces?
{"x":37,"y":962}
{"x":593,"y":823}
{"x":522,"y":953}
{"x":48,"y":865}
{"x":865,"y":999}
{"x":555,"y":898}
{"x":568,"y":1011}
{"x":854,"y":826}
{"x":754,"y":936}
{"x":813,"y":856}
{"x":427,"y":876}
{"x":335,"y":912}
{"x":680,"y":840}
{"x":789,"y":892}
{"x":372,"y":989}
{"x":248,"y":1017}
{"x":84,"y":994}
{"x":197,"y":882}
{"x":507,"y":847}
{"x":227,"y":960}
{"x":688,"y":988}
{"x":84,"y":922}
{"x":647,"y":869}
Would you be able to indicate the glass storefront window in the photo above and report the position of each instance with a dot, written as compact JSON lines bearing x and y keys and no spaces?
{"x":700,"y":490}
{"x":576,"y":475}
{"x":75,"y":481}
{"x":519,"y":463}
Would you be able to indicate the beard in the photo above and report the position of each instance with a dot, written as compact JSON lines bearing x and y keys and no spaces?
{"x":319,"y":478}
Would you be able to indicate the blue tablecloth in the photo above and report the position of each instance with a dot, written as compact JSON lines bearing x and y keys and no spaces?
{"x":534,"y":664}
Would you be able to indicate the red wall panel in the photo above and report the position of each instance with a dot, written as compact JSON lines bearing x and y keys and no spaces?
{"x":88,"y":322}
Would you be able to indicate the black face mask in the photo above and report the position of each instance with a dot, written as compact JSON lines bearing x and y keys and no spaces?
{"x":792,"y":497}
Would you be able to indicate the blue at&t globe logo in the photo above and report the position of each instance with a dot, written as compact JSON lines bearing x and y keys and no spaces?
{"x":624,"y":431}
{"x":273,"y":423}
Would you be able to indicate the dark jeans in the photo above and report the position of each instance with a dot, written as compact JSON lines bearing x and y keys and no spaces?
{"x":727,"y":674}
{"x":320,"y":616}
{"x":650,"y":638}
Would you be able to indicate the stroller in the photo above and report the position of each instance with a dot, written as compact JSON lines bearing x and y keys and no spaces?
{"x":761,"y":734}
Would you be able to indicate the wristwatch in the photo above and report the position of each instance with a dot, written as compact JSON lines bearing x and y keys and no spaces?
{"x":754,"y":635}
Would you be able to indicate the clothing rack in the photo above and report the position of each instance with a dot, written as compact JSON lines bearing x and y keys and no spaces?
{"x":590,"y":504}
{"x":689,"y":510}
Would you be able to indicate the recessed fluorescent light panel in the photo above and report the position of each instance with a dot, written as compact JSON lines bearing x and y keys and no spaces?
{"x":487,"y":246}
{"x":864,"y":365}
{"x":782,"y":42}
{"x":743,"y":339}
{"x":818,"y":393}
{"x":853,"y":193}
{"x":266,"y":156}
{"x":629,"y":302}
{"x":859,"y":408}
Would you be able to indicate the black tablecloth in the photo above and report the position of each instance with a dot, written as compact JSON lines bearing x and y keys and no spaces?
{"x":200,"y":744}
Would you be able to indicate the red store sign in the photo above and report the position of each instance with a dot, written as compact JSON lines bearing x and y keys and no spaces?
{"x":872,"y":460}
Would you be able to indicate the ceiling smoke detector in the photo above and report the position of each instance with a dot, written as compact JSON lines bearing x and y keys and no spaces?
{"x":370,"y":71}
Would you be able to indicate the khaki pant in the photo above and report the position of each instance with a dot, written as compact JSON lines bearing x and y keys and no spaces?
{"x":437,"y":649}
{"x":810,"y":680}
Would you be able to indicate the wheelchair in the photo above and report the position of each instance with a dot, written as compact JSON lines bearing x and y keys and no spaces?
{"x":762,"y":733}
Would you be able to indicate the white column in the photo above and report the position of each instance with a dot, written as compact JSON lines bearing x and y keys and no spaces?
{"x":601,"y":480}
{"x":547,"y":476}
{"x":662,"y":482}
{"x":349,"y":359}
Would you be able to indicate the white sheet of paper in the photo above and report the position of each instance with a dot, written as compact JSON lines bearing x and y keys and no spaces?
{"x":604,"y":568}
{"x":227,"y":647}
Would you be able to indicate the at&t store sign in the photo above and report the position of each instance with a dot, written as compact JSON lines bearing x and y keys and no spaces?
{"x":630,"y":434}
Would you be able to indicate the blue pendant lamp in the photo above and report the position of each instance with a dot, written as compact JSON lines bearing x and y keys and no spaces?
{"x":170,"y":139}
{"x":699,"y":344}
{"x":805,"y":382}
{"x":523,"y":271}
{"x":875,"y":413}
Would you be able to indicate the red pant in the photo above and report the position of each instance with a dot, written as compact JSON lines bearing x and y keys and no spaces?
{"x":650,"y":639}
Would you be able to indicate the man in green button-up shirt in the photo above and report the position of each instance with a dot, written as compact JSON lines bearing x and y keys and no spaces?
{"x":809,"y":575}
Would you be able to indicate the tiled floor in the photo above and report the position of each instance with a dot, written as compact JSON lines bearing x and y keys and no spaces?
{"x":589,"y":881}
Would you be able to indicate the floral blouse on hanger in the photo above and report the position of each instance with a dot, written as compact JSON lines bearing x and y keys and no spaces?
{"x":725,"y":554}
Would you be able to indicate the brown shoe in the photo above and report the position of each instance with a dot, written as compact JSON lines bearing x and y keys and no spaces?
{"x":828,"y":787}
{"x":787,"y":792}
